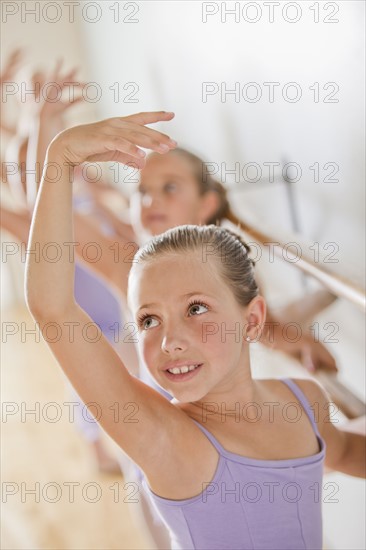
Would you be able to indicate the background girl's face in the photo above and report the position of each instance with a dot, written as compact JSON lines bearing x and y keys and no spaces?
{"x":184,"y":311}
{"x":167,"y":195}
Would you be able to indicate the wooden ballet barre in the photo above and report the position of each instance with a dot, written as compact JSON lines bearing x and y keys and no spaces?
{"x":349,"y":403}
{"x":335,"y":283}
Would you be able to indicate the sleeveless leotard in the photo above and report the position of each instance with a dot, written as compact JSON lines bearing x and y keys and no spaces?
{"x":250,"y":503}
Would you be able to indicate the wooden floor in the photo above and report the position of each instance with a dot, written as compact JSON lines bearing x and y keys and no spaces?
{"x":51,"y":458}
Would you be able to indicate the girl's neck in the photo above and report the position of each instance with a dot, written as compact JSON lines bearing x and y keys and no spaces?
{"x":226,"y":404}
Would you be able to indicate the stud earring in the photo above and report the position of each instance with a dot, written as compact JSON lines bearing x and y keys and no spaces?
{"x":248,"y":339}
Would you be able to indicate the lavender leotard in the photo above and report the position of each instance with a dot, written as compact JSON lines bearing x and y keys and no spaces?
{"x":100,"y":303}
{"x":93,"y":295}
{"x":250,"y":503}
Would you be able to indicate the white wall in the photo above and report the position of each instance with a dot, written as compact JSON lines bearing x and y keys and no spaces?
{"x":170,"y":52}
{"x":27,"y":25}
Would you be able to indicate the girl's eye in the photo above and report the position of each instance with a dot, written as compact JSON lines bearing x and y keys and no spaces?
{"x":196,"y":309}
{"x":147,"y":322}
{"x":141,"y":190}
{"x":170,"y":187}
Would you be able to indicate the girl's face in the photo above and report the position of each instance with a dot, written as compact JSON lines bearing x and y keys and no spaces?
{"x":167,"y":196}
{"x":185,"y":312}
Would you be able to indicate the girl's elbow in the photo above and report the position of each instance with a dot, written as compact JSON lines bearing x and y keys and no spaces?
{"x":38,"y":311}
{"x":31,"y":300}
{"x":44,"y":310}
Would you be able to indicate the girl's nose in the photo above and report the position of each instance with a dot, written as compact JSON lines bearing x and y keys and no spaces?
{"x":152,"y":198}
{"x":147,"y":200}
{"x":174,"y":342}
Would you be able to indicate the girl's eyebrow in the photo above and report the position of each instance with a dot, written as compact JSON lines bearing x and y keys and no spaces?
{"x":146,"y":306}
{"x":188,"y":295}
{"x":197,"y":293}
{"x":174,"y":176}
{"x":168,"y":175}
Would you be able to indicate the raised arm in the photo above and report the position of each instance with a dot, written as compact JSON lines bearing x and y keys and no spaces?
{"x":134,"y":415}
{"x":15,"y":222}
{"x":47,"y":122}
{"x":285,"y":331}
{"x":290,"y":336}
{"x":346,"y":444}
{"x":7,"y":74}
{"x":117,"y":253}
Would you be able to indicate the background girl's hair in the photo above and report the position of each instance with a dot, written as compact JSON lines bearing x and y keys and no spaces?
{"x":227,"y":248}
{"x":207,"y":183}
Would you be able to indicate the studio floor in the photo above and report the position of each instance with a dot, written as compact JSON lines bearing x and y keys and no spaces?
{"x":89,"y":509}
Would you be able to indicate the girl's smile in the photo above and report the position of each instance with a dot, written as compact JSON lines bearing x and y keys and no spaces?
{"x":182,"y":370}
{"x":173,"y":313}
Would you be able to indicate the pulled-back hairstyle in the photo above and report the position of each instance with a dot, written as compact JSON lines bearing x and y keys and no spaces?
{"x":227,"y":248}
{"x":206,"y":182}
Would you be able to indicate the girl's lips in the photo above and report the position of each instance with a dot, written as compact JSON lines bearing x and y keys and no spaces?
{"x":183,"y":377}
{"x":156,"y":217}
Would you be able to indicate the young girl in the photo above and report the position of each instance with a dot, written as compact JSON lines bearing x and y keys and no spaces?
{"x":224,"y":433}
{"x":174,"y":191}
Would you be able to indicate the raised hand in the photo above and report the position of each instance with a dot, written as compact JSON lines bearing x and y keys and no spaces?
{"x":314,"y":356}
{"x":115,"y":139}
{"x":50,"y":109}
{"x":11,"y":66}
{"x":7,"y":74}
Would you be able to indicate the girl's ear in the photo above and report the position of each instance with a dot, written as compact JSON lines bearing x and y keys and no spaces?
{"x":256,"y":317}
{"x":210,"y":203}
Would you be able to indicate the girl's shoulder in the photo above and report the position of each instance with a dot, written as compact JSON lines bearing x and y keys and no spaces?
{"x":312,"y":390}
{"x":283,"y":386}
{"x":312,"y":395}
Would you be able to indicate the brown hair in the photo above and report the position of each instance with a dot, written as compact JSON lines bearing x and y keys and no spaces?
{"x":236,"y":268}
{"x":207,"y":183}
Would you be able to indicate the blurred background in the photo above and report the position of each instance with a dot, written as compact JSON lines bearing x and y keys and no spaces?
{"x":271,"y":95}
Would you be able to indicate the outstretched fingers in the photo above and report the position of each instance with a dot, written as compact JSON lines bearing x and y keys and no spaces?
{"x":118,"y":156}
{"x":114,"y":139}
{"x":150,"y":117}
{"x":138,"y":134}
{"x":123,"y":145}
{"x":147,"y":137}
